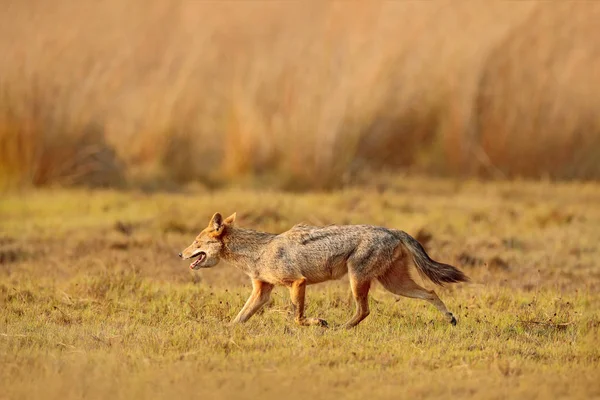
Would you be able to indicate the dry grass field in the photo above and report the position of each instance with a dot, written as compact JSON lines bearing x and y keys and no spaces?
{"x":125,"y":124}
{"x":95,"y":303}
{"x":295,"y":94}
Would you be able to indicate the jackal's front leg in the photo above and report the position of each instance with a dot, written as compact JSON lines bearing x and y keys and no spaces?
{"x":261,"y":291}
{"x":297,"y":294}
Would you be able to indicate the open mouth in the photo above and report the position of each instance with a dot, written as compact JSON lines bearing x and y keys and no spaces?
{"x":196,"y":264}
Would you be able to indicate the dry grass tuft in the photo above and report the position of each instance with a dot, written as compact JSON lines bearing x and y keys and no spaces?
{"x":41,"y":146}
{"x":537,"y":106}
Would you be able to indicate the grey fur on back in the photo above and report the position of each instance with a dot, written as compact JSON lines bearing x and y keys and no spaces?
{"x":329,"y":252}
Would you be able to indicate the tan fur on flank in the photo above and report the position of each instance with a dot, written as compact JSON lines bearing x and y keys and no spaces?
{"x":306,"y":255}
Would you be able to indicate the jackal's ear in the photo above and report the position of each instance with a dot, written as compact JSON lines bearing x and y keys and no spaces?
{"x":230,"y":220}
{"x":216,"y":223}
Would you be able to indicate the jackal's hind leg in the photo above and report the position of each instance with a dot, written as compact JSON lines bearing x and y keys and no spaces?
{"x":297,"y":294}
{"x":360,"y":291}
{"x":400,"y":283}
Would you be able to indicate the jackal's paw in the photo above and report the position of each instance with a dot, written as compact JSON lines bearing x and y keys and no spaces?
{"x":313,"y":321}
{"x":453,"y":320}
{"x":322,"y":323}
{"x":317,"y":322}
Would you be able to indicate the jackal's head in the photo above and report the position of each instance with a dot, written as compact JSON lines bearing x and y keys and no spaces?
{"x":206,"y":248}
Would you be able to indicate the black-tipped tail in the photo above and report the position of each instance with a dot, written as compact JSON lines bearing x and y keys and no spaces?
{"x":438,"y":273}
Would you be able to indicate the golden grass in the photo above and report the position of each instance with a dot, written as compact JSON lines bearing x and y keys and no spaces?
{"x":537,"y":103}
{"x":95,"y":303}
{"x":297,"y":95}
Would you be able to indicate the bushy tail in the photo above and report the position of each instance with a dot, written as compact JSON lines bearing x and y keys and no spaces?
{"x":438,"y":273}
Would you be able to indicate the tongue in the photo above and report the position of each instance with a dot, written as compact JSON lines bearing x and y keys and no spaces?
{"x":197,"y":261}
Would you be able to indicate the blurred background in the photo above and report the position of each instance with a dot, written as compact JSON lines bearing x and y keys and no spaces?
{"x":295,"y":95}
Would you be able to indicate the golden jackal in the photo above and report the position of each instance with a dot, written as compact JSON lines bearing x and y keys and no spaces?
{"x":309,"y":254}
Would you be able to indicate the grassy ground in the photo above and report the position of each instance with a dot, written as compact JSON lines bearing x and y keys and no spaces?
{"x":95,"y":303}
